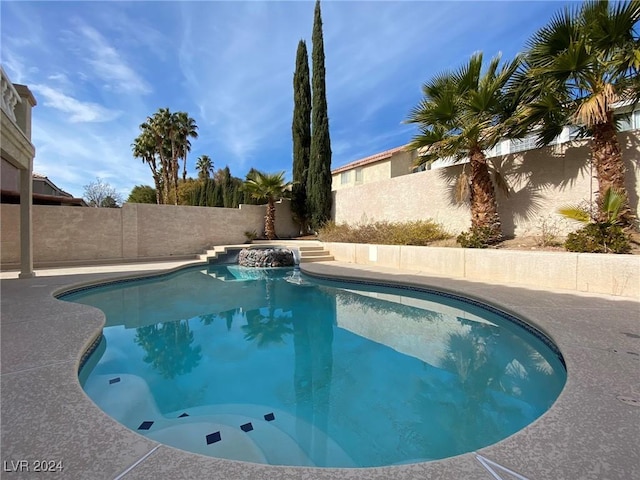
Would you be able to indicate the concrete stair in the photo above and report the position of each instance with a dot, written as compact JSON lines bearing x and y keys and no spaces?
{"x":310,"y":251}
{"x":215,"y":251}
{"x":314,"y":253}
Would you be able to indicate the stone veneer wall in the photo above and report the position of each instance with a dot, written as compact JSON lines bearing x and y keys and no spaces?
{"x":134,"y":232}
{"x":583,"y":272}
{"x":541,"y":181}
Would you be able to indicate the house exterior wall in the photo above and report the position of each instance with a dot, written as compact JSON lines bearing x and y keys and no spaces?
{"x":541,"y":180}
{"x":45,"y":188}
{"x":402,"y":163}
{"x":397,"y":164}
{"x":9,"y":176}
{"x":370,"y":173}
{"x":133,"y":232}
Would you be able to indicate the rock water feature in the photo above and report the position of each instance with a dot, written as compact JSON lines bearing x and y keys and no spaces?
{"x":266,"y":257}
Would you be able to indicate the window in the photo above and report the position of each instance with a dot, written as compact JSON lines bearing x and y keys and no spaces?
{"x":522,"y":144}
{"x":624,"y":122}
{"x":496,"y":151}
{"x":345,"y":177}
{"x":574,"y":131}
{"x":359,"y":175}
{"x":628,"y":121}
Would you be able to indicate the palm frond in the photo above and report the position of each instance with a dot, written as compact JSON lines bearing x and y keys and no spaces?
{"x":552,"y":39}
{"x":500,"y":179}
{"x":462,"y":189}
{"x":594,"y":109}
{"x":574,"y":212}
{"x":612,"y":202}
{"x":265,"y":186}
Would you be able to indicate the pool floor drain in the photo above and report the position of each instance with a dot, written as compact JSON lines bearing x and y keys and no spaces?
{"x":633,"y":401}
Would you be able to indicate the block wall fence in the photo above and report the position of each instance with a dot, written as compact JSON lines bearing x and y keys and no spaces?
{"x":67,"y":235}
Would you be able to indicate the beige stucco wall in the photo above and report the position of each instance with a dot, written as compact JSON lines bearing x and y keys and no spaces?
{"x":9,"y":176}
{"x":135,"y":231}
{"x":583,"y":272}
{"x":410,"y":197}
{"x":541,"y":181}
{"x":16,"y":147}
{"x":370,"y":173}
{"x":402,"y":163}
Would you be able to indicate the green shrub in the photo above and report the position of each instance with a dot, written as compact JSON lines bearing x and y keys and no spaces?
{"x":420,"y":232}
{"x":477,"y":237}
{"x":598,"y":238}
{"x":602,"y":232}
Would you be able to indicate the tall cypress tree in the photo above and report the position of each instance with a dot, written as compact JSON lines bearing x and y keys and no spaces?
{"x":227,"y":188}
{"x":319,"y":176}
{"x":301,"y":131}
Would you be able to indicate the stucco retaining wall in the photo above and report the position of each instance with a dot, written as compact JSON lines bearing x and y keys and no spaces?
{"x":134,"y":232}
{"x":583,"y":272}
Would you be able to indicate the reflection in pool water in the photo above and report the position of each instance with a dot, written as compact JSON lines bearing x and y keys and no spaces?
{"x":235,"y":364}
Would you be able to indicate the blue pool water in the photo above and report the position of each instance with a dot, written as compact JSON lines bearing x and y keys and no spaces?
{"x":270,"y":367}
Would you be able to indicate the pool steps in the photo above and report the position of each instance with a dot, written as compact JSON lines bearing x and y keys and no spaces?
{"x":314,"y":254}
{"x":271,"y":442}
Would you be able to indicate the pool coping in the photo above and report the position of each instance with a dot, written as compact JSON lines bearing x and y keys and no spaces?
{"x":590,"y":432}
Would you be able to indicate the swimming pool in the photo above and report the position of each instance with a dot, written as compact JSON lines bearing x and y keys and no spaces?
{"x":270,"y":367}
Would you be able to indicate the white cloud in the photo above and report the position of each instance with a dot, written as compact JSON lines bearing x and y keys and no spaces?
{"x":13,"y":66}
{"x":78,"y":111}
{"x":61,"y":79}
{"x":73,"y":156}
{"x":108,"y":64}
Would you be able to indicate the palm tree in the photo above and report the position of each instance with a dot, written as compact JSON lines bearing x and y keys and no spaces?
{"x":187,"y":128}
{"x":462,"y":115}
{"x":269,"y":187}
{"x":165,"y":138}
{"x":204,"y":166}
{"x":576,"y":69}
{"x":157,"y":127}
{"x":144,"y":148}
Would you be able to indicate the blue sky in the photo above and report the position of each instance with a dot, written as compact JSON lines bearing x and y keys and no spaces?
{"x":98,"y":69}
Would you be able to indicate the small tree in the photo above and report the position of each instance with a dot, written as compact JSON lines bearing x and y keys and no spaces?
{"x":142,"y":194}
{"x":463,"y":114}
{"x":101,"y":194}
{"x":269,"y":187}
{"x":109,"y":202}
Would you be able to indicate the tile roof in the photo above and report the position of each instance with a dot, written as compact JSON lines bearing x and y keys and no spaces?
{"x":370,"y":159}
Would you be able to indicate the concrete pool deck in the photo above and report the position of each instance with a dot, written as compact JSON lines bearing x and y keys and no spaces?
{"x":591,"y":432}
